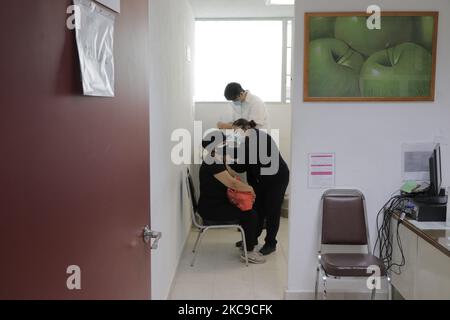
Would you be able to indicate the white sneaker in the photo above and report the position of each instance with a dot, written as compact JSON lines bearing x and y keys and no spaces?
{"x":254,"y":257}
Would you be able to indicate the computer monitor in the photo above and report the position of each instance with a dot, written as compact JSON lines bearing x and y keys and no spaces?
{"x":416,"y":161}
{"x":435,"y":171}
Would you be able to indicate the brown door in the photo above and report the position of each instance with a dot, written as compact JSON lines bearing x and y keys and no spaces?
{"x":74,"y":170}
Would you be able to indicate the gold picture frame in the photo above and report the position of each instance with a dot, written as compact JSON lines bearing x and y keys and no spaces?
{"x":343,"y":62}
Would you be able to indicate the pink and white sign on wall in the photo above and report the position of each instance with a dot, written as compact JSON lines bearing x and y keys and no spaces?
{"x":322,"y":170}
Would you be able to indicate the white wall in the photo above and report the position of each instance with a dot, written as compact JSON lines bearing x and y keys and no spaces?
{"x":280,"y":118}
{"x":171,"y":107}
{"x":366,"y":137}
{"x":239,"y":9}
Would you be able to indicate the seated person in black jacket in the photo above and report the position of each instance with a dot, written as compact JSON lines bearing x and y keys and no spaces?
{"x":214,"y":205}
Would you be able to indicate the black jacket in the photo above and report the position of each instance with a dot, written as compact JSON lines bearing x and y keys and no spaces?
{"x":260,"y":157}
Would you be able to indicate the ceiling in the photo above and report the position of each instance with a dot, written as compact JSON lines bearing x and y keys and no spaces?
{"x":239,"y":9}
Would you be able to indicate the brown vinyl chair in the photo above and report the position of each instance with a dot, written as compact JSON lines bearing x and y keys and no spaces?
{"x":344,"y":223}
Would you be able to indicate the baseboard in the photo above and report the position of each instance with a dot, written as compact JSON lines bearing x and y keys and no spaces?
{"x":172,"y":283}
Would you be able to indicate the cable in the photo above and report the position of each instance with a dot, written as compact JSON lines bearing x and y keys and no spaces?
{"x":385,"y":241}
{"x":399,"y":243}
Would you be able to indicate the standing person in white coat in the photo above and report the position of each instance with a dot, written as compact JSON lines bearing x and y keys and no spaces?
{"x":245,"y":106}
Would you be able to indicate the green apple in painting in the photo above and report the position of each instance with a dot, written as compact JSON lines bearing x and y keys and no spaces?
{"x":424,"y":31}
{"x":401,"y":71}
{"x":354,"y":31}
{"x":334,"y":69}
{"x":321,"y":27}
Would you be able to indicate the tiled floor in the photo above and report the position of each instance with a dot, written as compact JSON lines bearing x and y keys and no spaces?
{"x":220,"y":275}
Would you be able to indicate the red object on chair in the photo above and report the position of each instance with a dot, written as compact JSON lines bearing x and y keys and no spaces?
{"x":243,"y":200}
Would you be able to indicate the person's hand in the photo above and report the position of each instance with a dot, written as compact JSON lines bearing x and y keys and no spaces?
{"x":252,"y":191}
{"x":224,"y":126}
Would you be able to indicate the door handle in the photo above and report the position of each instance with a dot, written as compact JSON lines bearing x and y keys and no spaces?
{"x":149,"y":235}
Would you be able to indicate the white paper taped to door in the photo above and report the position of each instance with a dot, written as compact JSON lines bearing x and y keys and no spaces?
{"x":95,"y":42}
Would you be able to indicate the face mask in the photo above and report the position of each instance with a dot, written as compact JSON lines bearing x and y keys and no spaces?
{"x":234,"y":140}
{"x":239,"y":136}
{"x":240,"y":139}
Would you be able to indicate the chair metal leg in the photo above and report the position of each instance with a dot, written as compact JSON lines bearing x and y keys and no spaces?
{"x":374,"y":290}
{"x":200,"y":231}
{"x":324,"y":279}
{"x":316,"y":292}
{"x":202,"y":234}
{"x":389,"y":288}
{"x":244,"y":244}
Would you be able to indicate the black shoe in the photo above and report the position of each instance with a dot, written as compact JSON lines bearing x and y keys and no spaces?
{"x":266,"y":250}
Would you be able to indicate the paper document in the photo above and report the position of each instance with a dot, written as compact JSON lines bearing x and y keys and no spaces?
{"x":112,"y":4}
{"x":415,"y":161}
{"x":322,"y":170}
{"x":95,"y":42}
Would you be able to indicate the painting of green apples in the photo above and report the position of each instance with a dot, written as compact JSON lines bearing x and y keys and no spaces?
{"x":349,"y":59}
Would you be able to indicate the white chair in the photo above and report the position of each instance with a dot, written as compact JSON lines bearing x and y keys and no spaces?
{"x":203,"y":225}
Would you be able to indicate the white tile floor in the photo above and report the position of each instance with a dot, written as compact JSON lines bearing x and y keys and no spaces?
{"x":220,"y":275}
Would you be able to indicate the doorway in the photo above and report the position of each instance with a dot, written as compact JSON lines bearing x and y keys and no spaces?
{"x":260,"y":58}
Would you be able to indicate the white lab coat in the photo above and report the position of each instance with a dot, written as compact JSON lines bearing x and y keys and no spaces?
{"x":253,"y":108}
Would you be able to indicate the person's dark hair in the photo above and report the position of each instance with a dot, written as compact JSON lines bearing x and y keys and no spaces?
{"x":233,"y":90}
{"x":245,"y":124}
{"x":212,"y":140}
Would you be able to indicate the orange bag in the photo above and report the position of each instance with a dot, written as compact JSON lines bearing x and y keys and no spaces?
{"x":243,"y":200}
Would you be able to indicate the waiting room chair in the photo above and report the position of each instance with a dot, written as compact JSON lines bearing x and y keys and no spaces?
{"x":203,"y":225}
{"x":344,"y":223}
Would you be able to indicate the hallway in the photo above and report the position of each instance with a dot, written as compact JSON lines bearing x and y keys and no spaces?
{"x":219,"y":275}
